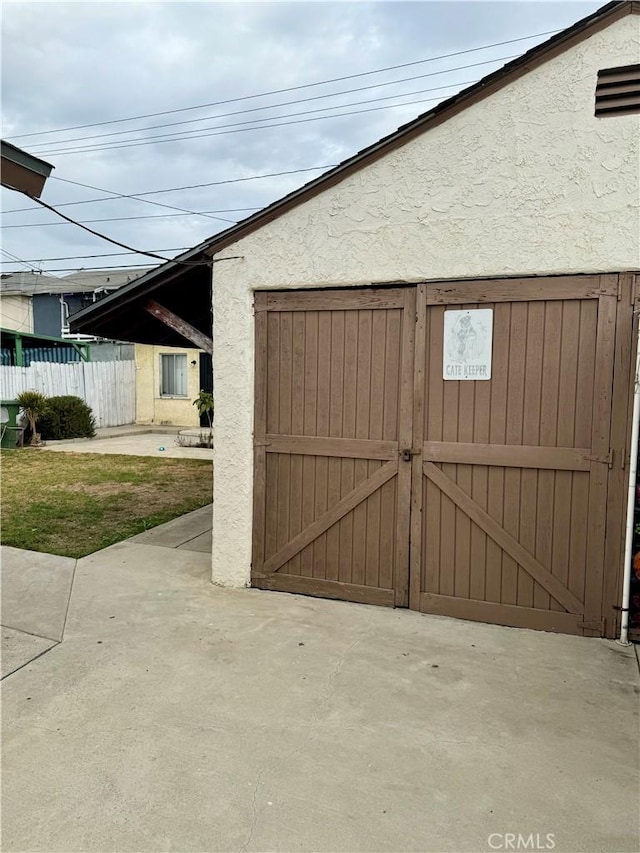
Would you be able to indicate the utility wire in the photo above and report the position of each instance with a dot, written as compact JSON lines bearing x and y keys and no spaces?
{"x":237,"y":127}
{"x":15,"y":259}
{"x":40,"y":145}
{"x":200,"y":132}
{"x":85,"y":257}
{"x":247,"y":129}
{"x":126,"y":218}
{"x":140,"y":196}
{"x":283,"y":91}
{"x":115,"y":196}
{"x":111,"y":240}
{"x":101,"y":269}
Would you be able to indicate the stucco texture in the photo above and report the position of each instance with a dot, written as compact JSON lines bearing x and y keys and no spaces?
{"x":16,"y":313}
{"x":151,"y":407}
{"x":525,"y":182}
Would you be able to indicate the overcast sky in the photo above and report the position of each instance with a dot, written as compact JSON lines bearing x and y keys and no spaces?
{"x":71,"y":64}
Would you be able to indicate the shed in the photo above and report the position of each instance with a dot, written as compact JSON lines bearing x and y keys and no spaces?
{"x":422,"y":359}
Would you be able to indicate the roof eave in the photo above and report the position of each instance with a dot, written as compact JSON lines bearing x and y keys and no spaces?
{"x":147,"y":282}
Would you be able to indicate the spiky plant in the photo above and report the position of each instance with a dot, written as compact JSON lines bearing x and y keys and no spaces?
{"x":34,"y":405}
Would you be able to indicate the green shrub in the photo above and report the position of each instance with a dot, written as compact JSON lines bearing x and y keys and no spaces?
{"x":66,"y":417}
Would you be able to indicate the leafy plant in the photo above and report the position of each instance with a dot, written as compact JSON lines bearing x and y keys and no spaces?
{"x":204,"y":405}
{"x":67,"y":417}
{"x":34,"y":405}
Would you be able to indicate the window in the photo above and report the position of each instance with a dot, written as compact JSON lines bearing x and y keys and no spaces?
{"x":618,"y":91}
{"x":173,"y":375}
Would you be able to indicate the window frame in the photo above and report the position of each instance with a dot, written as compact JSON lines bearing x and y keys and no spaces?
{"x":173,"y":356}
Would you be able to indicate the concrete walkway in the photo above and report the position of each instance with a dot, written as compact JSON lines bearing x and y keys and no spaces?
{"x":36,"y":587}
{"x":175,"y":716}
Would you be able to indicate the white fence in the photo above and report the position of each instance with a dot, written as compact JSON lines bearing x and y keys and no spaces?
{"x":108,"y":387}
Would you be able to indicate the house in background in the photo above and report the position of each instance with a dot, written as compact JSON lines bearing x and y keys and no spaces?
{"x":43,"y":303}
{"x":168,"y":379}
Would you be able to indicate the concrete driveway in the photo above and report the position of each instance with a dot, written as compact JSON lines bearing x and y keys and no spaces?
{"x":175,"y":716}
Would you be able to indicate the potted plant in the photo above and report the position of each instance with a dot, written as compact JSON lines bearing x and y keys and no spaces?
{"x":34,"y":405}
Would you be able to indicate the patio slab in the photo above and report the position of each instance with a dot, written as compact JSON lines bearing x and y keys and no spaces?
{"x":132,"y":444}
{"x":177,"y":716}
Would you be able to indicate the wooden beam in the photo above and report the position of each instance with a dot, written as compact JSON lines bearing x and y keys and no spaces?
{"x":179,"y":325}
{"x":346,"y":448}
{"x":510,"y":455}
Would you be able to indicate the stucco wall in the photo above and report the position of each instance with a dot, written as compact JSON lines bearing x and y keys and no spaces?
{"x":525,"y":182}
{"x":16,"y":313}
{"x":151,"y":407}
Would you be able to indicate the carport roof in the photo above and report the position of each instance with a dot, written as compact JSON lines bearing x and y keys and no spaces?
{"x":122,"y":314}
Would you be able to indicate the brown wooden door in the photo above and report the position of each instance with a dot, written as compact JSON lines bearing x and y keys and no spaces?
{"x":497,"y":512}
{"x":510,"y":485}
{"x":334,"y":376}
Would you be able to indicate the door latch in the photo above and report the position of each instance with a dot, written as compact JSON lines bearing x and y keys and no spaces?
{"x":407,"y":453}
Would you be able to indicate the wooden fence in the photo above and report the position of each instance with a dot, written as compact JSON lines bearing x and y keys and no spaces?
{"x":108,"y":387}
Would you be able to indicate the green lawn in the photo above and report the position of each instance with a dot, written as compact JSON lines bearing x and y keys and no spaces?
{"x":73,"y":504}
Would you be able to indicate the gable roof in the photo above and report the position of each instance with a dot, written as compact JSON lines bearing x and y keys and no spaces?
{"x":536,"y":56}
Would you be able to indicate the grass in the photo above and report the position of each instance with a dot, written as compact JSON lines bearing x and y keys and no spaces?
{"x":73,"y":504}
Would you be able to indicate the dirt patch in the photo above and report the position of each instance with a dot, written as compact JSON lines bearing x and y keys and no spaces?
{"x":100,"y":489}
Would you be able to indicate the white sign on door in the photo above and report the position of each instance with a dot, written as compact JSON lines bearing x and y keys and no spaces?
{"x":468,"y":337}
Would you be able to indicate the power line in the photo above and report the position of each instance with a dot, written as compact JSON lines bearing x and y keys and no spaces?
{"x":111,"y":240}
{"x":247,"y":129}
{"x":84,"y":269}
{"x":15,"y":258}
{"x":127,"y":218}
{"x":200,"y":132}
{"x":283,"y":91}
{"x":139,"y":196}
{"x":86,"y":257}
{"x":113,"y":196}
{"x":40,"y":145}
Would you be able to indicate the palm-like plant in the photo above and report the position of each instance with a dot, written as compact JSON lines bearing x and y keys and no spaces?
{"x":204,"y":405}
{"x":34,"y":405}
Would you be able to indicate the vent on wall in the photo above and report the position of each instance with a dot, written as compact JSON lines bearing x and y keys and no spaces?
{"x":618,"y":91}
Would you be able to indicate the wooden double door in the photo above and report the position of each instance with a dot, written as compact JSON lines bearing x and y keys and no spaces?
{"x":378,"y":481}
